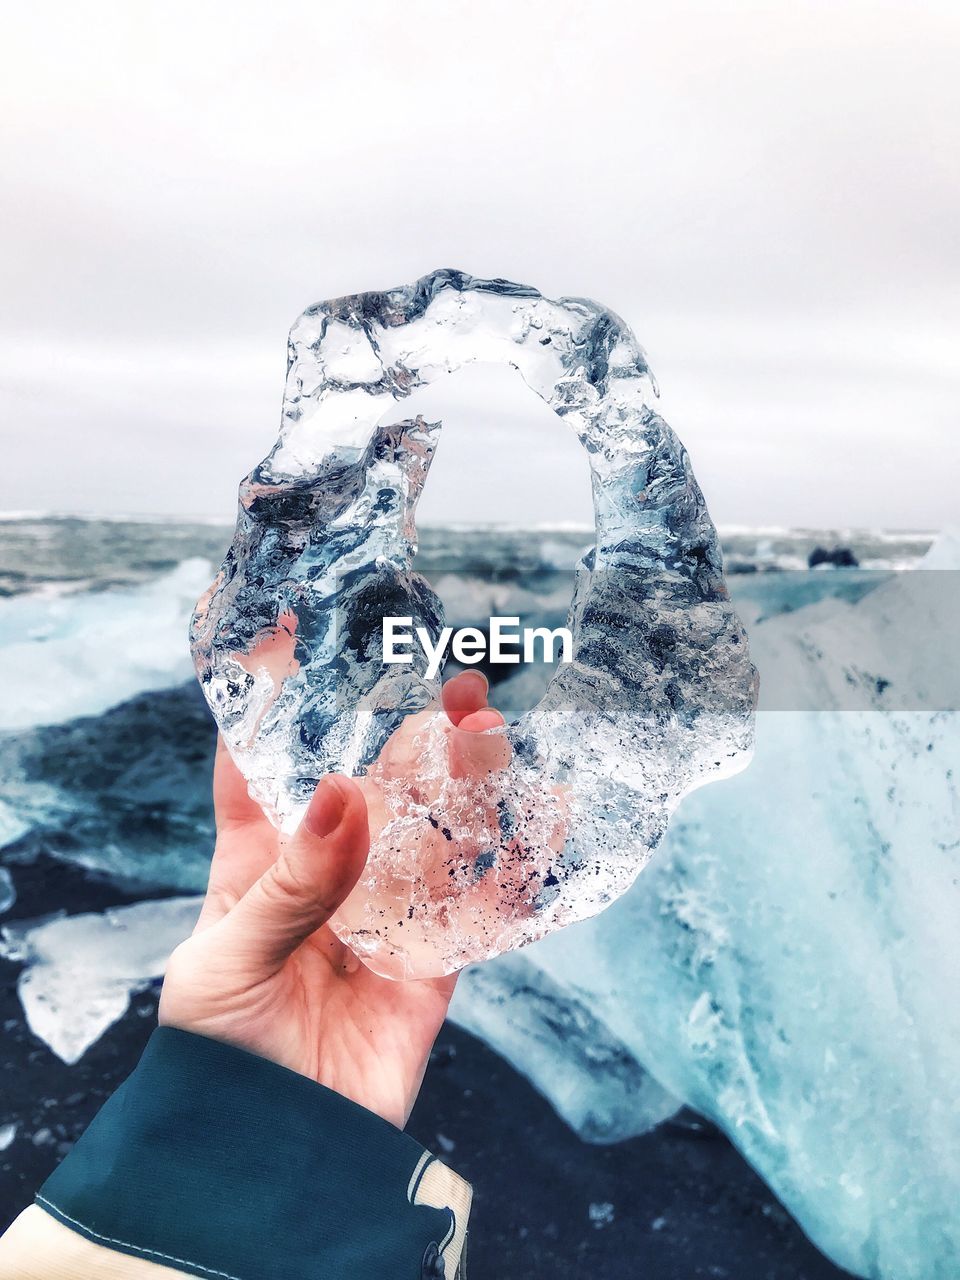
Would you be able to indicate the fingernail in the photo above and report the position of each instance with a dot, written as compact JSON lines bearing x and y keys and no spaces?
{"x":470,"y":671}
{"x":325,"y":809}
{"x":482,"y":720}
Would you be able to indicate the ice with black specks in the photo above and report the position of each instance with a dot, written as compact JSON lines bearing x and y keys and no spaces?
{"x":659,"y":697}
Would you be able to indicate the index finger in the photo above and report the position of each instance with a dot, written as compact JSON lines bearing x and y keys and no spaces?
{"x":464,"y":694}
{"x":233,"y":804}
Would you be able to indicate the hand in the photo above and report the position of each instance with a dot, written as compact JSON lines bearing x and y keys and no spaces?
{"x":264,"y":971}
{"x":462,"y":844}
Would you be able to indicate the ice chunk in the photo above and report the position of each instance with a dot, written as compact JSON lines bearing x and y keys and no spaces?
{"x":12,"y":824}
{"x":573,"y":796}
{"x":944,"y":553}
{"x":559,"y":1044}
{"x":601,"y":1214}
{"x":789,"y":964}
{"x":8,"y":894}
{"x":81,"y":970}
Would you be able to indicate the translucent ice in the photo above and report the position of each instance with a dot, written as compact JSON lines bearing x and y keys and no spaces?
{"x":552,"y":1037}
{"x":571,"y":799}
{"x":8,"y":894}
{"x":790,"y":965}
{"x":80,"y":971}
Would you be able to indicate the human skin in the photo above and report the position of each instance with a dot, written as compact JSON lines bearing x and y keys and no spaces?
{"x":263,"y":969}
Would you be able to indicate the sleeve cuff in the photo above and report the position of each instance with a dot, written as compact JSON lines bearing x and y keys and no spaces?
{"x":221,"y":1164}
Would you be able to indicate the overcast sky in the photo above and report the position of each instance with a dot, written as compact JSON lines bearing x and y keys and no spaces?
{"x":768,"y":193}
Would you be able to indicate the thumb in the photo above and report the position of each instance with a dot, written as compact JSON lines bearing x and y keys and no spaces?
{"x":473,"y":751}
{"x":315,"y":870}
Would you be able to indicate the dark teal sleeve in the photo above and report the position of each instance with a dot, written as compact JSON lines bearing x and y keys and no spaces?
{"x":221,"y":1164}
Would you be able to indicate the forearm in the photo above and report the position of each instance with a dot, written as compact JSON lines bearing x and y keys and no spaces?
{"x":214,"y":1163}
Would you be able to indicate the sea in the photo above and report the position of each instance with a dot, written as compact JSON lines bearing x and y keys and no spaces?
{"x":104,"y":737}
{"x":59,"y":554}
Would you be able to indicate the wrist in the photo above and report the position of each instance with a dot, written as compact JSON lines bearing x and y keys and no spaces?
{"x":206,"y":1156}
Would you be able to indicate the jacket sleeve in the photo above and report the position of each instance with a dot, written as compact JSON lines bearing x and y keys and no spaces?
{"x":209,"y":1161}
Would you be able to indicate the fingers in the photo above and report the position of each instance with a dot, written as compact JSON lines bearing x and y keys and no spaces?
{"x":464,"y":694}
{"x":473,"y":750}
{"x":314,"y":872}
{"x":246,"y":842}
{"x":480,"y":721}
{"x":232,"y":802}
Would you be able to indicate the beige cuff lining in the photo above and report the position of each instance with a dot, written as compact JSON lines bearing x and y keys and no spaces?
{"x":38,"y":1247}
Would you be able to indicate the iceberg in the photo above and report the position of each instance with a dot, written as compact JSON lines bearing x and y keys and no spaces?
{"x":658,"y":699}
{"x":788,"y":965}
{"x":539,"y":1025}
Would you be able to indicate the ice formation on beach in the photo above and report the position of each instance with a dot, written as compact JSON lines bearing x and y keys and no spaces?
{"x":789,"y":965}
{"x":80,"y":971}
{"x":552,"y":1038}
{"x":570,"y":800}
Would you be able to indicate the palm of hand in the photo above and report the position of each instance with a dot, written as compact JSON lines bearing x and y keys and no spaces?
{"x":264,"y":971}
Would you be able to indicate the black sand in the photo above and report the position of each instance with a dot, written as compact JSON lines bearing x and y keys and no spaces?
{"x":675,"y":1204}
